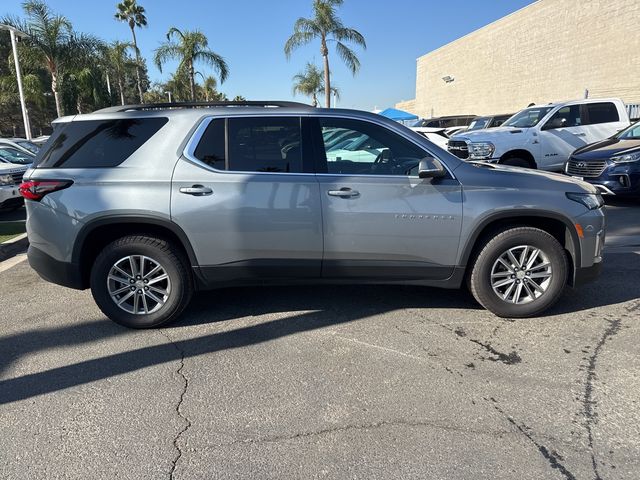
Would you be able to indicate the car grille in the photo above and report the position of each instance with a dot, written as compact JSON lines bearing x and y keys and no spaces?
{"x":459,"y":148}
{"x":17,"y":177}
{"x":582,"y":168}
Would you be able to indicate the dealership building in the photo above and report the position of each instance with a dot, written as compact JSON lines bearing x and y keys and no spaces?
{"x":548,"y":51}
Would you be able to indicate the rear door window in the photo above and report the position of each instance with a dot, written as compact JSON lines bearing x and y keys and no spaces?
{"x":265,"y":144}
{"x":97,"y":143}
{"x":604,"y":112}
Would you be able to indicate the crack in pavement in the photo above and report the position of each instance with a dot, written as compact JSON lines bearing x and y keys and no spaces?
{"x":588,"y":403}
{"x":553,"y":457}
{"x":185,"y":419}
{"x":367,"y":426}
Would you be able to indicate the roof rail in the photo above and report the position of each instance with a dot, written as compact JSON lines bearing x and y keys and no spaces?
{"x":165,"y":106}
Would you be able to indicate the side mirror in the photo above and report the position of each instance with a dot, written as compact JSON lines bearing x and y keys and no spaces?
{"x":430,"y":167}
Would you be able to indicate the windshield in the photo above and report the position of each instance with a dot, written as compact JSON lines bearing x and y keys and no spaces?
{"x":631,"y":133}
{"x":528,"y":117}
{"x":32,"y":147}
{"x":478,"y":123}
{"x":12,"y":155}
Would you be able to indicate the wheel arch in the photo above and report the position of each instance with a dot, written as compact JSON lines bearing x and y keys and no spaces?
{"x":559,"y":226}
{"x":520,"y":153}
{"x":96,"y":234}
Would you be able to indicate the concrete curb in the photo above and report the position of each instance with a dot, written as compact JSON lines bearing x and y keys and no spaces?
{"x":14,"y":246}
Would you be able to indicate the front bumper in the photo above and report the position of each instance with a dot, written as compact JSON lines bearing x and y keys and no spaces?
{"x":10,"y":196}
{"x":54,"y":271}
{"x":617,"y":179}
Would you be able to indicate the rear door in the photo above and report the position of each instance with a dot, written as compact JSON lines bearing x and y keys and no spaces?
{"x":380,"y":220}
{"x":601,"y":120}
{"x":247,"y":198}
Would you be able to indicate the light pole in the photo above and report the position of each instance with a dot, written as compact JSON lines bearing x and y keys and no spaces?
{"x":169,"y":94}
{"x":13,"y":32}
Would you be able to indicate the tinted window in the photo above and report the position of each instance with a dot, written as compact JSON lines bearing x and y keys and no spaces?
{"x":269,"y":144}
{"x":602,"y":113}
{"x":373,"y":150}
{"x":97,"y":143}
{"x":211,"y":148}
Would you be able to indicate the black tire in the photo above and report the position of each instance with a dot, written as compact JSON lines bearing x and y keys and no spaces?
{"x":516,"y":162}
{"x":481,"y":279}
{"x":165,"y":254}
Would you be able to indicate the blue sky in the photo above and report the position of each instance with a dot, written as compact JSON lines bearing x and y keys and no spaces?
{"x":250,"y":35}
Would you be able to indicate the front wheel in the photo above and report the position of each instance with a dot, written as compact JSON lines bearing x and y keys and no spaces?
{"x":519,"y":273}
{"x":141,"y":282}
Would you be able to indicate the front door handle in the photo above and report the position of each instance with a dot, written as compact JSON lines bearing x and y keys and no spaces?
{"x":581,"y":134}
{"x":344,"y":192}
{"x":196,"y":190}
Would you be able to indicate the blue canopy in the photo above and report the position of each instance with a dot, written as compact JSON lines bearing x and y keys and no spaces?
{"x":398,"y":115}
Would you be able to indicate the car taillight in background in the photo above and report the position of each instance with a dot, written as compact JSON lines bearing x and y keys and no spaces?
{"x":37,"y":189}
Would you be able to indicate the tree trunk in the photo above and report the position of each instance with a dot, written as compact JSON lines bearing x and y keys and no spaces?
{"x":56,"y":95}
{"x":315,"y":100}
{"x":121,"y":88}
{"x":192,"y":82}
{"x":135,"y":45}
{"x":327,"y":76}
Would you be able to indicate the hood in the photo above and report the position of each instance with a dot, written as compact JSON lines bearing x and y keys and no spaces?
{"x":528,"y":179}
{"x":607,"y":149}
{"x":6,"y":168}
{"x":489,"y":133}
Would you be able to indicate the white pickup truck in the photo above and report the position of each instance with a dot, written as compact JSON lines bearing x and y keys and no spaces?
{"x":10,"y":179}
{"x":543,"y":136}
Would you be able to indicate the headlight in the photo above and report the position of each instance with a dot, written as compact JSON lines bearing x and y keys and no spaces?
{"x":628,"y":158}
{"x":481,"y":150}
{"x":592,"y":201}
{"x":6,"y":180}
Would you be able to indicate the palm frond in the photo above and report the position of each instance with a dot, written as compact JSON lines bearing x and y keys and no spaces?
{"x":214,"y":60}
{"x":348,"y":56}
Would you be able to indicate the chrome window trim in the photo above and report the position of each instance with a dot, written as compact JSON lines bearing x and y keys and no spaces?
{"x":189,"y":150}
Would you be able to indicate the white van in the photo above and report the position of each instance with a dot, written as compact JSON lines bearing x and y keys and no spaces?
{"x":543,"y":136}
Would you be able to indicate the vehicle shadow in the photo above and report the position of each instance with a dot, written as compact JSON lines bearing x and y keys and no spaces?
{"x":305,"y":309}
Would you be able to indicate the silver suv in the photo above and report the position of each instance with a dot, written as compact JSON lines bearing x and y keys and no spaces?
{"x":146,"y":204}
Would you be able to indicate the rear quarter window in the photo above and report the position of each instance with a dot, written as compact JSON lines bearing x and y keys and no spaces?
{"x":97,"y":143}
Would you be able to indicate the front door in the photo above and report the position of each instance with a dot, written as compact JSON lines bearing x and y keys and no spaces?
{"x":563,"y":133}
{"x":244,"y":198}
{"x":381,"y":220}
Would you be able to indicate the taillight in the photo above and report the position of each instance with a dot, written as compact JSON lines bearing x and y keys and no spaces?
{"x":37,"y":189}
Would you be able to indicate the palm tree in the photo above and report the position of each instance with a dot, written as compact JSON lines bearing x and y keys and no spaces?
{"x":326,"y":26}
{"x":133,"y":14}
{"x":53,"y":44}
{"x":191,"y":47}
{"x":119,"y":62}
{"x":311,"y":83}
{"x":210,"y":86}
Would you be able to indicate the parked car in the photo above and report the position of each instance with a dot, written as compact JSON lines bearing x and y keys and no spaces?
{"x":543,"y":136}
{"x":489,"y":121}
{"x":41,"y":140}
{"x":21,"y":144}
{"x":445,"y":122}
{"x":612,"y":165}
{"x":435,"y":135}
{"x":10,"y":179}
{"x":13,"y":155}
{"x":146,"y":204}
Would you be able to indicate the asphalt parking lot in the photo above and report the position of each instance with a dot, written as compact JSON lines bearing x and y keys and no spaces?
{"x":326,"y":382}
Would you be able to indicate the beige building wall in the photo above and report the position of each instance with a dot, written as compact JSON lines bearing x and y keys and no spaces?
{"x":548,"y":51}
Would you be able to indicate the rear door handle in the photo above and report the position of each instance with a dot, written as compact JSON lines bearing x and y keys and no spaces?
{"x":344,"y":192}
{"x":196,"y":190}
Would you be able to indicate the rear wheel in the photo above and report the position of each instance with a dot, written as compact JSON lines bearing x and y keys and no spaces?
{"x":519,"y":273}
{"x":141,"y":282}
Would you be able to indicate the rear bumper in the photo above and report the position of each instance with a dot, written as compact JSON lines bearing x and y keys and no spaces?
{"x":54,"y":271}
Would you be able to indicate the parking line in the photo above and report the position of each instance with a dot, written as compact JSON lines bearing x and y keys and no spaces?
{"x":12,"y":262}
